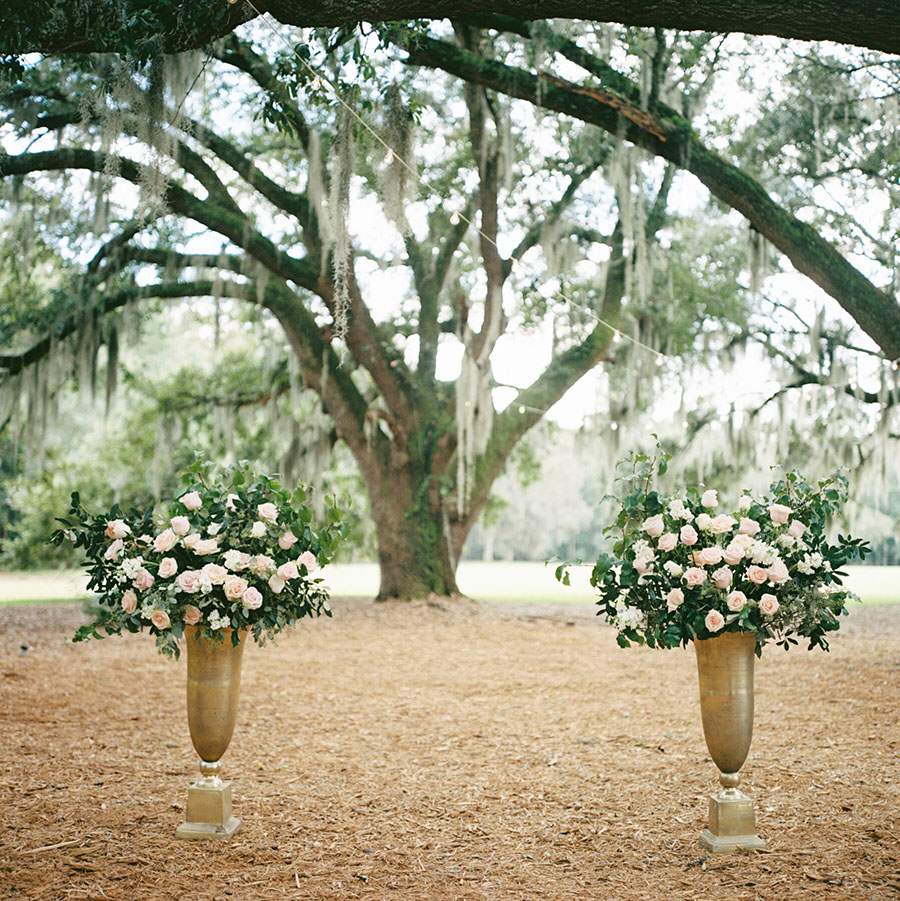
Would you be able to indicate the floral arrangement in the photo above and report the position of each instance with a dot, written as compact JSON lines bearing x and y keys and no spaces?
{"x":684,"y":570}
{"x":234,"y":552}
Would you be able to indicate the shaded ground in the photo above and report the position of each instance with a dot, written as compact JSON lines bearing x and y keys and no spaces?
{"x":431,"y":752}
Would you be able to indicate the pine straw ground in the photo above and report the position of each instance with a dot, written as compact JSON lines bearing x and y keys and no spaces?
{"x":441,"y":752}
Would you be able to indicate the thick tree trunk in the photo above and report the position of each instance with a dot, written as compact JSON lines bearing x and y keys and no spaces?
{"x":414,"y":555}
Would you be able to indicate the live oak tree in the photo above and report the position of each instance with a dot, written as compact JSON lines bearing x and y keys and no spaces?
{"x":428,"y":449}
{"x":281,"y":205}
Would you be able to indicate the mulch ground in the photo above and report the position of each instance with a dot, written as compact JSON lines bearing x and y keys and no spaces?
{"x":438,"y":751}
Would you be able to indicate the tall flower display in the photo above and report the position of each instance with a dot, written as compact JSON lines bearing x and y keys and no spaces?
{"x":235,"y":551}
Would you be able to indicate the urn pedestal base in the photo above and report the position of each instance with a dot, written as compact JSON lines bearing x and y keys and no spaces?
{"x":732,"y":824}
{"x":209,"y":811}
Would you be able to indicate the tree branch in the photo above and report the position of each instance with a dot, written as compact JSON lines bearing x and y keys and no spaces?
{"x":671,"y":137}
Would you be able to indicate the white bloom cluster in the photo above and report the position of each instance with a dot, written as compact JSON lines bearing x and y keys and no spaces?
{"x":677,"y":510}
{"x":641,"y":549}
{"x":217,"y":621}
{"x":205,"y":585}
{"x":759,"y":552}
{"x":745,"y":502}
{"x":786,"y":540}
{"x":810,"y":563}
{"x":131,"y":565}
{"x":628,"y":618}
{"x":147,"y":611}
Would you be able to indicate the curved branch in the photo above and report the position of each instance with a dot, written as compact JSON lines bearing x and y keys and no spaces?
{"x":670,"y":136}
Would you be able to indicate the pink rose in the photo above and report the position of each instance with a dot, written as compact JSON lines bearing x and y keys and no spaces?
{"x":252,"y":599}
{"x":653,"y":526}
{"x":742,"y":541}
{"x":704,"y":521}
{"x":160,"y":619}
{"x":115,"y":528}
{"x":287,"y":571}
{"x":694,"y":576}
{"x":261,"y":564}
{"x":229,"y":501}
{"x":668,"y":541}
{"x":674,"y":599}
{"x":113,"y":551}
{"x":287,"y":541}
{"x":276,"y":584}
{"x":206,"y":546}
{"x":779,"y":513}
{"x":191,"y":500}
{"x":188,"y":581}
{"x":722,"y":578}
{"x":768,"y":605}
{"x":165,"y":541}
{"x":710,"y":556}
{"x":748,"y":526}
{"x":722,"y":523}
{"x":778,"y":572}
{"x":796,"y":529}
{"x":733,"y":554}
{"x":191,"y":540}
{"x":308,"y":559}
{"x":234,"y":587}
{"x":688,"y":535}
{"x":258,"y":529}
{"x":129,"y":601}
{"x":267,"y":512}
{"x":714,"y":621}
{"x":192,"y":615}
{"x":736,"y":601}
{"x":143,"y":579}
{"x":215,"y":573}
{"x":757,"y":575}
{"x":710,"y":498}
{"x":181,"y":525}
{"x":167,"y":568}
{"x":642,"y":565}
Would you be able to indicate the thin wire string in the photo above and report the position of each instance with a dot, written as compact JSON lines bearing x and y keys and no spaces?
{"x":393,"y":156}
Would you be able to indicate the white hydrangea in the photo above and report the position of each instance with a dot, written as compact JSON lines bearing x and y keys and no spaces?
{"x":811,"y":562}
{"x":131,"y":565}
{"x":147,"y":611}
{"x":759,"y":552}
{"x":786,"y":540}
{"x":642,"y":549}
{"x":628,"y":618}
{"x":205,"y":585}
{"x":677,"y":510}
{"x":217,"y":621}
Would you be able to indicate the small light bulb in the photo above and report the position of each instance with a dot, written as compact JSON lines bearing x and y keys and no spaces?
{"x":316,"y":83}
{"x":521,"y":409}
{"x":389,"y":158}
{"x":617,"y":336}
{"x":454,"y":219}
{"x":685,"y":424}
{"x":468,"y":403}
{"x":614,"y":425}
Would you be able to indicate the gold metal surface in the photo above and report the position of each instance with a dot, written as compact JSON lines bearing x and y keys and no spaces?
{"x":213,"y":685}
{"x":725,"y":669}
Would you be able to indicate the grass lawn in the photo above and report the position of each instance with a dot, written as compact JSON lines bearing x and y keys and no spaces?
{"x":522,"y":582}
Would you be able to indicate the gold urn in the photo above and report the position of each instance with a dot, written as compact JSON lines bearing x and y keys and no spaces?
{"x":725,"y":669}
{"x":213,"y":685}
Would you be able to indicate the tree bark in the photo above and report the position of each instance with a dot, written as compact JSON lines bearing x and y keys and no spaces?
{"x":83,"y":27}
